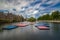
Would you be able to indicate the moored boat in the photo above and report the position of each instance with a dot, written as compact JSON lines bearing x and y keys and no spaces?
{"x":21,"y":25}
{"x":43,"y":28}
{"x":42,"y":24}
{"x":9,"y":27}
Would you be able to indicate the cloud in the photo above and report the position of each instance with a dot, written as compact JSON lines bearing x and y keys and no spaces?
{"x":35,"y":12}
{"x":35,"y":2}
{"x":49,"y":2}
{"x":53,"y":2}
{"x":28,"y":7}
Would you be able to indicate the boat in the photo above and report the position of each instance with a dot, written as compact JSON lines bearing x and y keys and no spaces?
{"x":42,"y":24}
{"x":21,"y":25}
{"x":9,"y":27}
{"x":46,"y":24}
{"x":36,"y":25}
{"x":43,"y":28}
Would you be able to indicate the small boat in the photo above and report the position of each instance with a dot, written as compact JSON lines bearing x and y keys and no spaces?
{"x":47,"y":25}
{"x":9,"y":27}
{"x":21,"y":25}
{"x":36,"y":25}
{"x":43,"y":28}
{"x":42,"y":24}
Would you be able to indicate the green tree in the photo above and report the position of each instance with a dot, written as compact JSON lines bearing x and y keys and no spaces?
{"x":55,"y":15}
{"x":32,"y":19}
{"x":44,"y":17}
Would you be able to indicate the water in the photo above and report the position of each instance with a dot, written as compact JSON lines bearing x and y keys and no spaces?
{"x":31,"y":33}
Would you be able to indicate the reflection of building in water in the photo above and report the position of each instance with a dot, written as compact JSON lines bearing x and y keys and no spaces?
{"x":31,"y":27}
{"x":34,"y":29}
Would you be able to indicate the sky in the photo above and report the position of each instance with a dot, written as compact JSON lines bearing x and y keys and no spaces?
{"x":29,"y":8}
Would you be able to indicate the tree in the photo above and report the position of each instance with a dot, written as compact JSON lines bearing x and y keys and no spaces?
{"x":44,"y":17}
{"x":55,"y":15}
{"x":32,"y":19}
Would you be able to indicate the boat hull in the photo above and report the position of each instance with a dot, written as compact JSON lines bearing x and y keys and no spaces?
{"x":9,"y":27}
{"x":21,"y":25}
{"x":43,"y":28}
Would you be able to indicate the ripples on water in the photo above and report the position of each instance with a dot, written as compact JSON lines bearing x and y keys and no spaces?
{"x":32,"y":33}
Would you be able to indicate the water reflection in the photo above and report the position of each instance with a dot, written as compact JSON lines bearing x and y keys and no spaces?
{"x":31,"y":33}
{"x":56,"y":27}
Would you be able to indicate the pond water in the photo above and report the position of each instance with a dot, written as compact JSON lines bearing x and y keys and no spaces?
{"x":31,"y":33}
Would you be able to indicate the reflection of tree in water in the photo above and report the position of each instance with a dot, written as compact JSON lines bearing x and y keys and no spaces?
{"x":56,"y":27}
{"x":1,"y":28}
{"x":55,"y":30}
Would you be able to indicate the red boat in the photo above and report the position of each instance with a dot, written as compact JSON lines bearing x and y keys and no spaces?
{"x":21,"y":25}
{"x":43,"y":28}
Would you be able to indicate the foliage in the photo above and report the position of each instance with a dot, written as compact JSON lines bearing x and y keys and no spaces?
{"x":31,"y":19}
{"x":54,"y":16}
